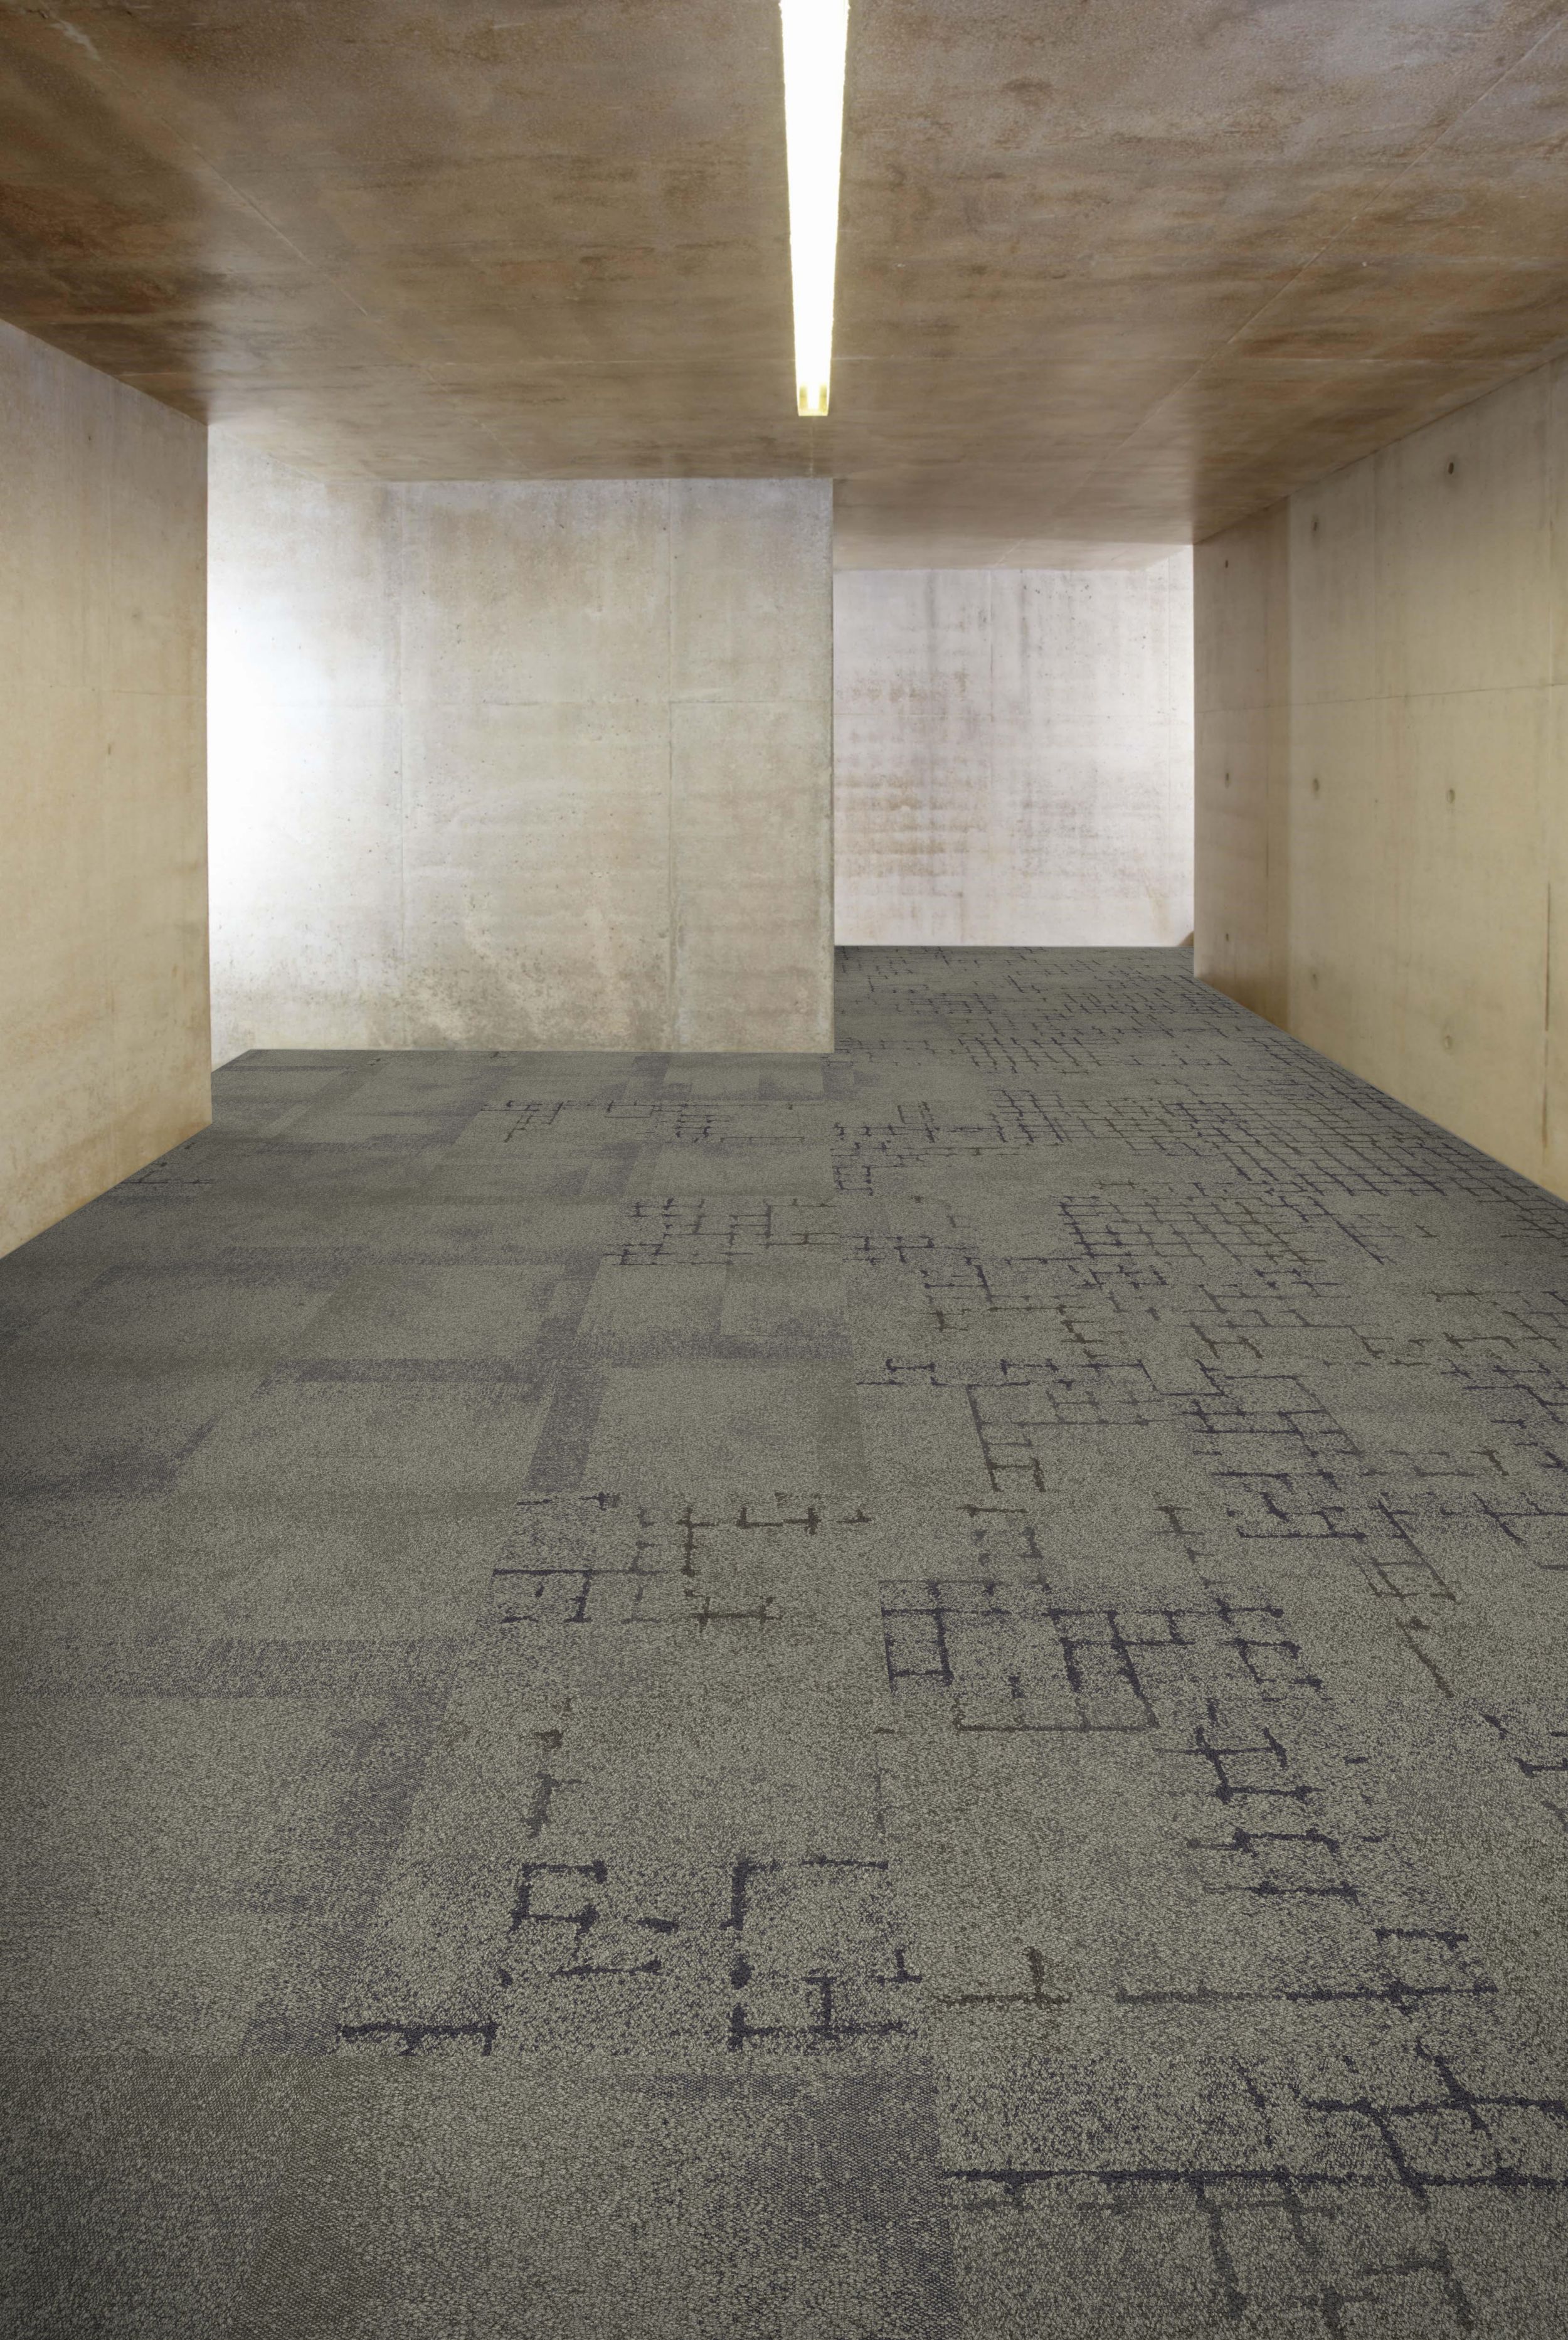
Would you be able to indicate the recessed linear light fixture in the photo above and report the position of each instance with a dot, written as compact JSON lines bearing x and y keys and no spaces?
{"x":815,"y":35}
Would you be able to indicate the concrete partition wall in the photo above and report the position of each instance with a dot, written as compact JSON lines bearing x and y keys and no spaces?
{"x":1382,"y":783}
{"x":514,"y":765}
{"x":1013,"y":755}
{"x":104,"y":1054}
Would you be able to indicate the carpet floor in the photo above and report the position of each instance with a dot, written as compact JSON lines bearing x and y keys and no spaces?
{"x":917,"y":1695}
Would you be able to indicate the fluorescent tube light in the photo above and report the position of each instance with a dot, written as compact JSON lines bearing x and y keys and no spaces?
{"x":816,"y":33}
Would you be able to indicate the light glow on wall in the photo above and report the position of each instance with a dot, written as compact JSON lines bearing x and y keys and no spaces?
{"x":815,"y":35}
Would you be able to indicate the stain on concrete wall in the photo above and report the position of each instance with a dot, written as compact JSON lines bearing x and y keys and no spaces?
{"x":519,"y":765}
{"x":103,"y":1056}
{"x":1013,"y":755}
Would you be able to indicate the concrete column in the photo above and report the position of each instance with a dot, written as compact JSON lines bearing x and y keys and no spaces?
{"x":523,"y":765}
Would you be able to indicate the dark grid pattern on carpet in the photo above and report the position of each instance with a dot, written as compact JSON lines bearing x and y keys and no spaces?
{"x":916,"y":1693}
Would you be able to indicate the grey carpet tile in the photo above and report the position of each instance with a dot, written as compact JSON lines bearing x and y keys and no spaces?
{"x":915,"y":1695}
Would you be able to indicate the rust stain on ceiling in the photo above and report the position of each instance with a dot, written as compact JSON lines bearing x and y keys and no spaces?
{"x":1111,"y":272}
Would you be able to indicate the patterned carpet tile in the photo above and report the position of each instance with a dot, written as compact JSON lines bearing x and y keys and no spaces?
{"x":918,"y":1695}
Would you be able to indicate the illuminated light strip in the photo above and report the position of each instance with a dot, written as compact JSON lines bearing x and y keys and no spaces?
{"x":815,"y":35}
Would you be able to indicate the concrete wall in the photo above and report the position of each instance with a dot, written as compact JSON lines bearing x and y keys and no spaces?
{"x":1382,"y":758}
{"x":103,"y":1053}
{"x":520,"y":766}
{"x":1013,"y":755}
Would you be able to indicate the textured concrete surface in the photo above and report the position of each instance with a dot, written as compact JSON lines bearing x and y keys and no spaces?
{"x":916,"y":1695}
{"x":506,"y":766}
{"x":1118,"y":273}
{"x":1383,"y":769}
{"x":1012,"y":756}
{"x":104,"y":920}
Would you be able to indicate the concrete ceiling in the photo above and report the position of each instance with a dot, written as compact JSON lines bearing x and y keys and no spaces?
{"x":1112,"y":272}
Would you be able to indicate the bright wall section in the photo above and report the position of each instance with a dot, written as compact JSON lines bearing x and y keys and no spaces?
{"x":1382,"y":810}
{"x":1013,"y":755}
{"x":508,"y":765}
{"x":103,"y":1056}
